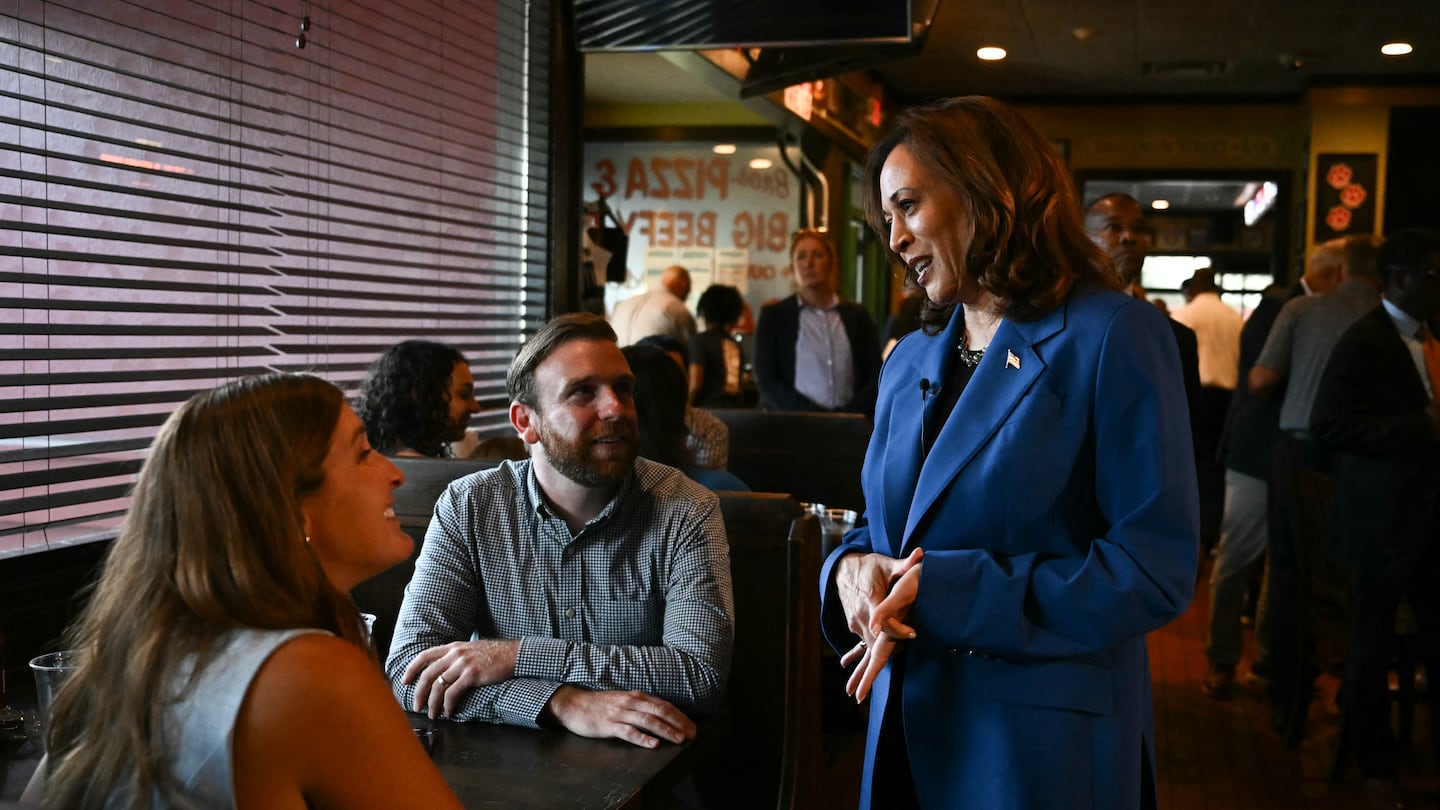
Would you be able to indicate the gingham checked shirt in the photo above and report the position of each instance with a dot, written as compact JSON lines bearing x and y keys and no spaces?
{"x":639,"y":599}
{"x":708,"y":439}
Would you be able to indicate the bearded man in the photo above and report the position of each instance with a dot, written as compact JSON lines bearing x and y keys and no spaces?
{"x":582,"y":588}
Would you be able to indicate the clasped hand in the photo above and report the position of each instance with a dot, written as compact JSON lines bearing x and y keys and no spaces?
{"x":876,"y":592}
{"x":443,"y":674}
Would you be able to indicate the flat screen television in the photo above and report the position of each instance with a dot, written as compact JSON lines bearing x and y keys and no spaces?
{"x":785,"y":41}
{"x":1260,"y":202}
{"x":650,"y":25}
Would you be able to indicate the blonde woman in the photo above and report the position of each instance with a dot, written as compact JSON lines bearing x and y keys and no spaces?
{"x":813,"y":350}
{"x":222,"y":664}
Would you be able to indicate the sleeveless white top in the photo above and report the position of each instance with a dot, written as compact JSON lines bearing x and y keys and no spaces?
{"x":201,"y":722}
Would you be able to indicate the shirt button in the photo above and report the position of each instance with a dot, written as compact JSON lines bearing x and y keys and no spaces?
{"x":569,"y":613}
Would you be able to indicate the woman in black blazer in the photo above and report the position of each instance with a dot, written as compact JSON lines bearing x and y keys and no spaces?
{"x":831,"y":343}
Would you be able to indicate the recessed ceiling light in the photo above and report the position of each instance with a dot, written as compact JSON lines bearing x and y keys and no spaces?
{"x":724,"y":149}
{"x":760,"y":163}
{"x":1396,"y":48}
{"x":991,"y":53}
{"x":1160,"y":205}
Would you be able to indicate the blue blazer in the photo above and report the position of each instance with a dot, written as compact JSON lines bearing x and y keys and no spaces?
{"x":1058,"y":513}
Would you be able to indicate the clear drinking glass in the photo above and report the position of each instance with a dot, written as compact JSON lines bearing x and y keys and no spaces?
{"x":51,"y":671}
{"x":834,"y":524}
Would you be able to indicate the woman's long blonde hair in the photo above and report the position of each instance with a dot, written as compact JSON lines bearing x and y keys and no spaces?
{"x":214,"y":541}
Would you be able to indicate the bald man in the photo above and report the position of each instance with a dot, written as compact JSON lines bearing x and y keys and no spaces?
{"x":1117,"y":224}
{"x":658,"y":311}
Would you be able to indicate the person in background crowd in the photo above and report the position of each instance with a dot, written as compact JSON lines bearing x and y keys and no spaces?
{"x":417,"y":398}
{"x":1019,"y":539}
{"x":1217,"y":330}
{"x":1323,"y":271}
{"x":221,"y":662}
{"x":707,"y":439}
{"x":1250,"y":435}
{"x":744,"y":334}
{"x":1296,"y":352}
{"x":1307,"y":327}
{"x":717,"y":369}
{"x":657,"y":311}
{"x":1117,"y":224}
{"x":660,"y":393}
{"x":814,"y":351}
{"x":1376,"y":408}
{"x":582,"y":588}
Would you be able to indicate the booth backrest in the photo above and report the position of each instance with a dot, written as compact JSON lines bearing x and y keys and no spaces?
{"x":814,"y":456}
{"x":425,"y":480}
{"x":775,"y":675}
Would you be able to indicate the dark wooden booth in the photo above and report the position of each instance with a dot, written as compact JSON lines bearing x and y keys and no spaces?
{"x":816,"y":457}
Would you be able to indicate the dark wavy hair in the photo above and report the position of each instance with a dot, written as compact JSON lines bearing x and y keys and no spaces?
{"x":661,"y":394}
{"x":720,"y":305}
{"x":405,"y":399}
{"x":1026,"y":243}
{"x":668,"y":344}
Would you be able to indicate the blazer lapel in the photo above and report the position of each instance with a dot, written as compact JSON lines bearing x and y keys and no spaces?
{"x":903,"y":451}
{"x":1008,"y":370}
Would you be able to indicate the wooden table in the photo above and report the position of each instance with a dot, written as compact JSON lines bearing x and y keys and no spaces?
{"x":491,"y":766}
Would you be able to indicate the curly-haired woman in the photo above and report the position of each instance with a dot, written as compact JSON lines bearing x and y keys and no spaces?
{"x":417,"y":399}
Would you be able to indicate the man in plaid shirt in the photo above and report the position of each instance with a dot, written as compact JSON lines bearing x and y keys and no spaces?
{"x":582,"y":588}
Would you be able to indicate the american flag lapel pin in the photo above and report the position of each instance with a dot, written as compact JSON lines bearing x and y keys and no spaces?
{"x":1011,"y":359}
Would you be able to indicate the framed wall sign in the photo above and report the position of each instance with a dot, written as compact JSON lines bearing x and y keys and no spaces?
{"x":1344,"y":195}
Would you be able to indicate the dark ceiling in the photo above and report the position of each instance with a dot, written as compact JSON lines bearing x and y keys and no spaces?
{"x":1089,"y":50}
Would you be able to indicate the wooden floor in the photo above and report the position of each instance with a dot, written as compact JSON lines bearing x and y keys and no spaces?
{"x":1222,"y":754}
{"x":1215,"y":754}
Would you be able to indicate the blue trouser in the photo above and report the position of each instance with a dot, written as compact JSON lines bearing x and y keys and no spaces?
{"x":1243,"y":538}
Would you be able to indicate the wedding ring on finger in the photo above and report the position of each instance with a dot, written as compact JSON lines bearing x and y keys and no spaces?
{"x":441,"y":679}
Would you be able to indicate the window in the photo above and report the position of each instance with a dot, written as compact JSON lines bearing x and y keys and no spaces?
{"x":189,"y":196}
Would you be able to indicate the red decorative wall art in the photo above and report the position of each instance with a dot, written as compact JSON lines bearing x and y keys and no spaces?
{"x":1344,"y":195}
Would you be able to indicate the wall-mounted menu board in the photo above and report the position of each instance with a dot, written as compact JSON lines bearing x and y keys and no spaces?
{"x":722,"y":217}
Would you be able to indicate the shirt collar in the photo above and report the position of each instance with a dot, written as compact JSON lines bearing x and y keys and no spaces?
{"x":543,"y":510}
{"x":833,"y":303}
{"x":1405,"y":322}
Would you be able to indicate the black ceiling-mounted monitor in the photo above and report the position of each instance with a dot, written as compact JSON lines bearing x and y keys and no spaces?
{"x":786,"y":41}
{"x":652,"y":25}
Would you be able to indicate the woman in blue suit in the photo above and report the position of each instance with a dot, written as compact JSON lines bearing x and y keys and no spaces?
{"x":1031,"y":488}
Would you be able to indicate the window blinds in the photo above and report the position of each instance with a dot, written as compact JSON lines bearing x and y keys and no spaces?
{"x":188,"y":196}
